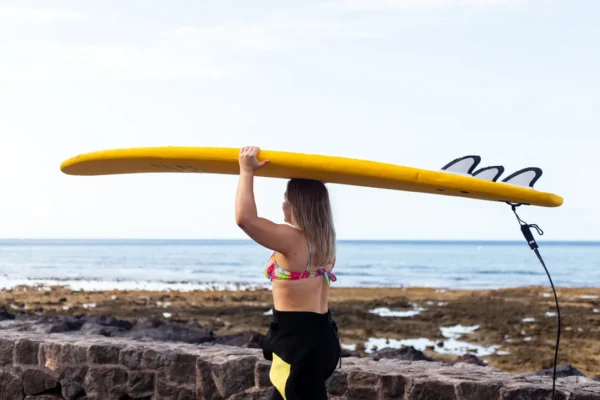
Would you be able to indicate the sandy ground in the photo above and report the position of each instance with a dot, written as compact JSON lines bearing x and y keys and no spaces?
{"x":520,"y":321}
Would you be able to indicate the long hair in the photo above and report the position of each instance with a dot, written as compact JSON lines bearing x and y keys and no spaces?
{"x":312,"y":211}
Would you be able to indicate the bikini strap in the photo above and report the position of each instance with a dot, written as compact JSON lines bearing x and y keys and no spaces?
{"x":309,"y":256}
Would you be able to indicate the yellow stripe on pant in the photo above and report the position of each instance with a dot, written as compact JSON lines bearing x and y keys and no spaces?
{"x":279,"y":374}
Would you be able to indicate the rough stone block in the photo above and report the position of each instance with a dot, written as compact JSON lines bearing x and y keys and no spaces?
{"x":431,"y":389}
{"x":106,"y":383}
{"x":235,"y":374}
{"x":11,"y":387}
{"x":152,"y":359}
{"x":254,"y":394}
{"x":164,"y":391}
{"x":205,"y":384}
{"x":103,"y":353}
{"x":131,"y":358}
{"x":50,"y":356}
{"x":362,"y":385}
{"x":141,"y":384}
{"x":26,"y":352}
{"x":479,"y":390}
{"x":392,"y":386}
{"x":71,"y":354}
{"x":337,"y":384}
{"x":261,"y":374}
{"x":530,"y":393}
{"x":37,"y":381}
{"x":6,"y":352}
{"x":182,"y":369}
{"x":71,"y":381}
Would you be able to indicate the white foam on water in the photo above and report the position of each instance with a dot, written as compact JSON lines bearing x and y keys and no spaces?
{"x":99,"y":285}
{"x":550,"y":314}
{"x":167,"y":315}
{"x":502,"y":353}
{"x":529,"y":319}
{"x":351,"y":347}
{"x":596,"y":310}
{"x":449,"y":346}
{"x":386,"y":312}
{"x":588,"y":296}
{"x":270,"y":312}
{"x":456,"y":331}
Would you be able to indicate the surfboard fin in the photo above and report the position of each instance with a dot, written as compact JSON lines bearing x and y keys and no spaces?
{"x":491,"y":173}
{"x":463,"y":165}
{"x":524,"y":177}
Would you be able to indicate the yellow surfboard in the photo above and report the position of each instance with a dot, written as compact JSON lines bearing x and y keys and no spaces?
{"x":457,"y":178}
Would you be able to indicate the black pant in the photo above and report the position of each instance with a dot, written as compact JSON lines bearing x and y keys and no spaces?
{"x":304,"y":348}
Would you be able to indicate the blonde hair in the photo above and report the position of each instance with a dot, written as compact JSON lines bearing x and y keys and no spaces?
{"x":312,"y":212}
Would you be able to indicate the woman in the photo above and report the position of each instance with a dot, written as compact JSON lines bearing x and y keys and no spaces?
{"x":302,"y":341}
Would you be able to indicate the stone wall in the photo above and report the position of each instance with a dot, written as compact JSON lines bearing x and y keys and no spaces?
{"x":37,"y":367}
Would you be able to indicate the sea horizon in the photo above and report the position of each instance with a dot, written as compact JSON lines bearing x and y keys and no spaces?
{"x":116,"y":240}
{"x":190,"y":264}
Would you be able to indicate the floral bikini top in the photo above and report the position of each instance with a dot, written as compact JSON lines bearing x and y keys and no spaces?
{"x":274,"y":271}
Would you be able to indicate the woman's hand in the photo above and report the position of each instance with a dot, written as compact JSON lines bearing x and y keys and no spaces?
{"x":248,"y":159}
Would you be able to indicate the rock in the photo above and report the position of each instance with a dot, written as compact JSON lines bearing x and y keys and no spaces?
{"x":26,"y":352}
{"x":11,"y":387}
{"x":254,"y":394}
{"x":345,"y":353}
{"x":106,"y":383}
{"x":6,"y":352}
{"x":4,"y":315}
{"x":44,"y":397}
{"x":111,"y":321}
{"x":71,"y":382}
{"x":468,"y":359}
{"x":393,"y":386}
{"x":362,"y":385}
{"x":431,"y":389}
{"x":141,"y":384}
{"x":530,"y":393}
{"x":73,"y":354}
{"x":406,"y":353}
{"x":562,"y":371}
{"x":66,"y":325}
{"x":223,"y":376}
{"x":90,"y":329}
{"x":49,"y":356}
{"x":104,"y":353}
{"x":261,"y":374}
{"x":246,"y":339}
{"x":170,"y":333}
{"x":337,"y":384}
{"x":38,"y":381}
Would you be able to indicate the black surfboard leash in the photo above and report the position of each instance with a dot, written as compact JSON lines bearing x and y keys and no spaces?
{"x":526,"y":230}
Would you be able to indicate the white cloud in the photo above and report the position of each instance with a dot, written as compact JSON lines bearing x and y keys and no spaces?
{"x":195,"y":52}
{"x":58,"y":61}
{"x":268,"y":36}
{"x":424,"y":5}
{"x":40,"y":15}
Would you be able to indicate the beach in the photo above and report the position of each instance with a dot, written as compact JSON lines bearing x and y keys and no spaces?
{"x":513,"y":329}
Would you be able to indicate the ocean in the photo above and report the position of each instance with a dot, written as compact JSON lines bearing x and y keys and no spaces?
{"x":238,"y":264}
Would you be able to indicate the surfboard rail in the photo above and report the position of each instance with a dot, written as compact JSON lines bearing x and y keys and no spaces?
{"x":285,"y":165}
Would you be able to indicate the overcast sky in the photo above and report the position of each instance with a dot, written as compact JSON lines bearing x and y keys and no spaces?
{"x":411,"y":82}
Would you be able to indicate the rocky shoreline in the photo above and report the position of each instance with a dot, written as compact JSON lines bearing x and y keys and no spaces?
{"x":401,"y":324}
